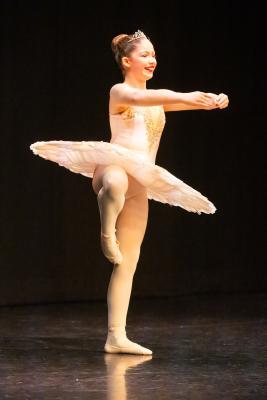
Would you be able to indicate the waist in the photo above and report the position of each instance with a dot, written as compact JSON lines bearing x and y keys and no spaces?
{"x":130,"y":144}
{"x":142,"y":151}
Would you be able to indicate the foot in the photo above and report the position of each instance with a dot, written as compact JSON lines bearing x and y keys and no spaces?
{"x":110,"y":248}
{"x":117,"y":342}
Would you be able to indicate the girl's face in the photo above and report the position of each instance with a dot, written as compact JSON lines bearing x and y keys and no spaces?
{"x":142,"y":61}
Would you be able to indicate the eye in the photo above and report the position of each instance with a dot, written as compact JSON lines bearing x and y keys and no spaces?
{"x":147,"y":55}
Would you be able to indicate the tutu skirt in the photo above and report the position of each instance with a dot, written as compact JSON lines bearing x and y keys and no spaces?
{"x":82,"y":157}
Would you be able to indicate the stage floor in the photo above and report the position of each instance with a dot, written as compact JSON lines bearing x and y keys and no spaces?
{"x":204,"y":347}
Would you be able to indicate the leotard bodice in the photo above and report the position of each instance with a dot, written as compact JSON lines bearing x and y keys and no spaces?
{"x":139,"y":128}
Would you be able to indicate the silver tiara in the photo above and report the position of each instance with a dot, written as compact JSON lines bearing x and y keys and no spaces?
{"x":137,"y":35}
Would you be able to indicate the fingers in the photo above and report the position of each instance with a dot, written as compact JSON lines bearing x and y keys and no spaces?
{"x":210,"y":101}
{"x":207,"y":100}
{"x":222,"y":100}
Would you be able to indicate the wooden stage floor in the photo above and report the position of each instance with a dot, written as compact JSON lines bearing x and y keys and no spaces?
{"x":204,"y":347}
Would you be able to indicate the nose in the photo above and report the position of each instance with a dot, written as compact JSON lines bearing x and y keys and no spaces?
{"x":152,"y":61}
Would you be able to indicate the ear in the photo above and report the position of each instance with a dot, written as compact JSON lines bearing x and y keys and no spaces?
{"x":126,"y":62}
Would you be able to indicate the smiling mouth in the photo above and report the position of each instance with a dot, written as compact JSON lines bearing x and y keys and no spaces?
{"x":149,"y":69}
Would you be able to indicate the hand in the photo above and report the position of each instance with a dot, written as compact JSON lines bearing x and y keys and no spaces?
{"x":219,"y":101}
{"x":207,"y":101}
{"x":222,"y":101}
{"x":202,"y":100}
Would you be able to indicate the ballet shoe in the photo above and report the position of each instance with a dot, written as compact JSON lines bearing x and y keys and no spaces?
{"x":117,"y":342}
{"x":110,"y":248}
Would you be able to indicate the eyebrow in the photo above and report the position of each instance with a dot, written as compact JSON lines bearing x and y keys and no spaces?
{"x":146,"y":51}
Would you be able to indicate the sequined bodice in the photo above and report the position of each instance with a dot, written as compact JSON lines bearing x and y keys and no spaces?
{"x":139,"y":128}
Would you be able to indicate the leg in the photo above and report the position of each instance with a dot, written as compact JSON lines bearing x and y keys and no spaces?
{"x":110,"y":184}
{"x":131,"y":226}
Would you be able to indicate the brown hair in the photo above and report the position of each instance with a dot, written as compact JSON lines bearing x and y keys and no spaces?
{"x":122,"y":47}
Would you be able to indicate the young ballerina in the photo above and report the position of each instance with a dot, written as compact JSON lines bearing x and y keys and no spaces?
{"x":124,"y":171}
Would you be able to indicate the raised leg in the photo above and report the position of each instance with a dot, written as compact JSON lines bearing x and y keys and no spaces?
{"x":111,"y":198}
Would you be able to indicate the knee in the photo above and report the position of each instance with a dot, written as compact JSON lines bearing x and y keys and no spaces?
{"x":115,"y":182}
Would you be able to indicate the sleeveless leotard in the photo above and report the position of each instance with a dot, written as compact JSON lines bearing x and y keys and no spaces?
{"x":139,"y":128}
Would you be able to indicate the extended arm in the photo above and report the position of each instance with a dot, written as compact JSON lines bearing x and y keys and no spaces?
{"x":123,"y":95}
{"x":219,"y":101}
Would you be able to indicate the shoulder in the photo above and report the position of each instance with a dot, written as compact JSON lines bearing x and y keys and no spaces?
{"x":122,"y":90}
{"x":118,"y":87}
{"x":116,"y":101}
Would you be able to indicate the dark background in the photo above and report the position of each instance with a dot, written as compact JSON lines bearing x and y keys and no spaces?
{"x":56,"y":71}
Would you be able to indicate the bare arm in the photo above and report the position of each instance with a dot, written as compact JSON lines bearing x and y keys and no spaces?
{"x":122,"y":95}
{"x":181,"y":107}
{"x":219,"y":101}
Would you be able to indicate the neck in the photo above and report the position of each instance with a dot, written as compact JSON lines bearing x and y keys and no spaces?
{"x":134,"y":82}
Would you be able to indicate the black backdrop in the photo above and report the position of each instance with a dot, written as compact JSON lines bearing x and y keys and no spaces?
{"x":56,"y":71}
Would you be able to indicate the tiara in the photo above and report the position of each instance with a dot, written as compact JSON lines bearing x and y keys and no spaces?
{"x":137,"y":35}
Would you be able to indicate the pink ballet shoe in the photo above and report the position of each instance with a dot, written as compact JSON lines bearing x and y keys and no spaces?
{"x":110,"y":248}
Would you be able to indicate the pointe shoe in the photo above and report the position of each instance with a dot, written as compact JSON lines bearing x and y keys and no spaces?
{"x":110,"y":248}
{"x":117,"y":342}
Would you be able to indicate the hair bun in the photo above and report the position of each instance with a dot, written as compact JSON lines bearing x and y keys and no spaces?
{"x":115,"y":43}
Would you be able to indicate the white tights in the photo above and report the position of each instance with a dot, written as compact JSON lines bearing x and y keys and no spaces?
{"x":123,"y":206}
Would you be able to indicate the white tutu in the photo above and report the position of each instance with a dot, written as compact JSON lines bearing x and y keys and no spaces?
{"x":82,"y":157}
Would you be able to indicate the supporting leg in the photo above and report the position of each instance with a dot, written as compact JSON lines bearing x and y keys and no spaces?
{"x":131,"y":225}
